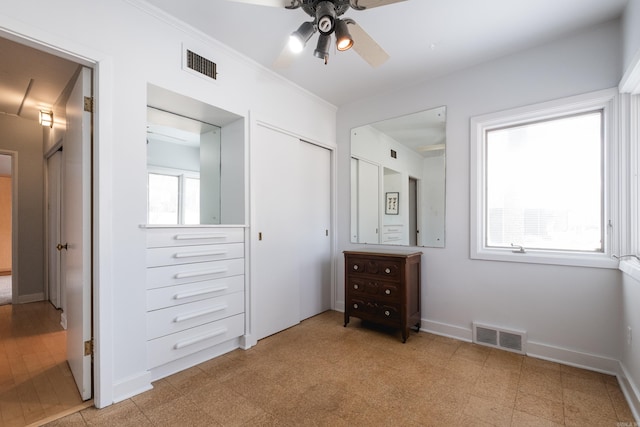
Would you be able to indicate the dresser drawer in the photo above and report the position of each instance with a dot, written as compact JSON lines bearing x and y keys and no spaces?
{"x":162,"y":237}
{"x":186,"y":273}
{"x":387,"y":268}
{"x":374,"y":310}
{"x":171,"y":347}
{"x":378,"y":288}
{"x":178,"y":318}
{"x":173,"y":255}
{"x":181,"y":294}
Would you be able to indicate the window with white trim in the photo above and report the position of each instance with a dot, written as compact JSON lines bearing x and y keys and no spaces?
{"x":541,"y":182}
{"x":173,"y":197}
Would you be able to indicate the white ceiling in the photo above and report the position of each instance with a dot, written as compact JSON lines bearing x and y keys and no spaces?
{"x":424,"y":38}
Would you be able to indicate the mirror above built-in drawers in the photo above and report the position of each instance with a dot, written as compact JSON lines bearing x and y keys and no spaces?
{"x":195,"y":295}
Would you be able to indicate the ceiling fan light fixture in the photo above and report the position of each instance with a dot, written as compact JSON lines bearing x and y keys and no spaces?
{"x":322,"y":48}
{"x":344,"y":41}
{"x":299,"y":38}
{"x":326,"y":17}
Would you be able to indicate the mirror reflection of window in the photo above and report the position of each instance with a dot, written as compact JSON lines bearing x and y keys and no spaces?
{"x":163,"y":199}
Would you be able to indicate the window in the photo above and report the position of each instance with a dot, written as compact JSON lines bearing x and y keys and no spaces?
{"x":540,"y":183}
{"x":174,"y":197}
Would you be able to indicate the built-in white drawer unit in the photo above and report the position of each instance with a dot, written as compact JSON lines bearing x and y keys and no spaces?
{"x":193,"y":236}
{"x":173,"y":255}
{"x":186,"y":273}
{"x":392,"y":233}
{"x":172,"y":347}
{"x":180,"y":317}
{"x":195,"y":292}
{"x":170,"y":296}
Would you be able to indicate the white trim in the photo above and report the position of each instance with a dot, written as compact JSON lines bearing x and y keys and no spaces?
{"x":25,"y":299}
{"x":581,"y":103}
{"x":446,"y":330}
{"x":578,"y":359}
{"x":132,"y":386}
{"x":631,"y":392}
{"x":103,"y":78}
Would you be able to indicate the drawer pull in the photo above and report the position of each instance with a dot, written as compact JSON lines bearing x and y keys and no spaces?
{"x":355,"y":286}
{"x":201,"y":273}
{"x":200,"y":236}
{"x":387,"y":270}
{"x":199,"y":292}
{"x":196,"y":340}
{"x":355,"y":305}
{"x":198,"y":254}
{"x":386,"y":313}
{"x":355,"y":267}
{"x":388,"y":292}
{"x":195,"y":314}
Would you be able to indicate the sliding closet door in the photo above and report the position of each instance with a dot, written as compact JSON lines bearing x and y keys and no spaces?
{"x":290,"y":277}
{"x":314,"y":256}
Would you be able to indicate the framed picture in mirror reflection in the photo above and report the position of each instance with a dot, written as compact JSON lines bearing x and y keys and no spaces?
{"x":391,"y":205}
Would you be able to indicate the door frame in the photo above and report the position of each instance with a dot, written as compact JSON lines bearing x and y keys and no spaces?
{"x":102,"y":261}
{"x":14,"y":223}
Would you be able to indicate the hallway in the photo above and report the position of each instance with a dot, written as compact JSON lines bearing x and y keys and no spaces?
{"x":35,"y":380}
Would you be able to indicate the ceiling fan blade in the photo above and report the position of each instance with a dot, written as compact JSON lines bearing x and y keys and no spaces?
{"x":272,"y":3}
{"x":368,"y":4}
{"x":366,"y":47}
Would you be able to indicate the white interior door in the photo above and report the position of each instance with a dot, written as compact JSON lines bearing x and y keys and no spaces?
{"x":76,"y":228}
{"x":275,"y":238}
{"x":314,"y":176}
{"x":54,"y":206}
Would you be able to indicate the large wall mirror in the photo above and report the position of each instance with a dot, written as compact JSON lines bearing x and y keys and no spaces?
{"x":398,"y":180}
{"x":195,"y":162}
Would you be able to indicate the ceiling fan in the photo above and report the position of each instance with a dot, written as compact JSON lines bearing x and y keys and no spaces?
{"x":326,"y":21}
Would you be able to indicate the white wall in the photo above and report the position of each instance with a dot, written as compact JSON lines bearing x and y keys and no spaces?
{"x":133,"y":49}
{"x":566,"y":311}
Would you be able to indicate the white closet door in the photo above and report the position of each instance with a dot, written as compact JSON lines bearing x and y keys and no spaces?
{"x":314,"y":256}
{"x":54,"y":185}
{"x":275,"y":238}
{"x":291,"y":253}
{"x":368,"y":202}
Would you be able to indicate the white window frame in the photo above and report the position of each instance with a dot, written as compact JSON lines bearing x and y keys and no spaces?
{"x":605,"y":100}
{"x":181,"y":174}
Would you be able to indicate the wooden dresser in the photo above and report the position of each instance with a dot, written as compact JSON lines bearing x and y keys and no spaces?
{"x":383,"y":287}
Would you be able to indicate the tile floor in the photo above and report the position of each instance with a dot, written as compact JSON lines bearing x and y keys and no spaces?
{"x":322,"y":374}
{"x":35,"y":380}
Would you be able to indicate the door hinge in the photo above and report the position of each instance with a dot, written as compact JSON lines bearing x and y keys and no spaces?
{"x":88,"y":104}
{"x":88,"y":347}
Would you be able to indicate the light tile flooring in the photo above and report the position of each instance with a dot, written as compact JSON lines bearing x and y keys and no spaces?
{"x":35,"y":380}
{"x":322,"y":374}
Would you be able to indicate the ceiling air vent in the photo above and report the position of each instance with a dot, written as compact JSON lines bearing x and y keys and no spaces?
{"x":201,"y":64}
{"x":499,"y":338}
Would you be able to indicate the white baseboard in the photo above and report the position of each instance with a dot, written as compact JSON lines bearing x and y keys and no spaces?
{"x":132,"y":386}
{"x":63,"y":320}
{"x":194,"y":359}
{"x":451,"y":331}
{"x":25,"y":299}
{"x":631,"y":392}
{"x":593,"y":362}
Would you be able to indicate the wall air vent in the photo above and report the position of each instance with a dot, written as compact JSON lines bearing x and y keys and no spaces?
{"x":501,"y":338}
{"x":200,"y":64}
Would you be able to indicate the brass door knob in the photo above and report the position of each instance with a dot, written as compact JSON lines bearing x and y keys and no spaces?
{"x":60,"y":246}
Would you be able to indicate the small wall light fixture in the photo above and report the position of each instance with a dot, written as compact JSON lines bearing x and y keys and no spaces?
{"x":46,"y":118}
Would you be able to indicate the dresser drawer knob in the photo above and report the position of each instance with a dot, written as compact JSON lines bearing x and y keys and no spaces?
{"x":355,"y":305}
{"x":387,"y":270}
{"x":386,"y":313}
{"x":355,"y":267}
{"x":355,"y":286}
{"x":388,"y":291}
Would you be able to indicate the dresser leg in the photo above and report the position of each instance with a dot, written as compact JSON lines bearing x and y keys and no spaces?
{"x":346,"y":319}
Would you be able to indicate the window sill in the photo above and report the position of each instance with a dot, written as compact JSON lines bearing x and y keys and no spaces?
{"x":547,"y":257}
{"x":631,"y":268}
